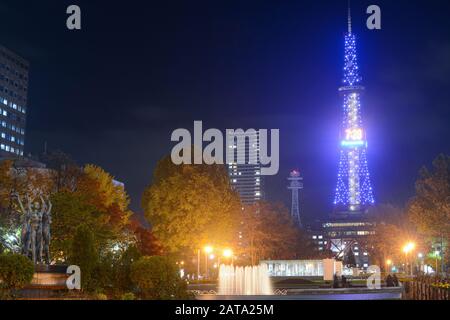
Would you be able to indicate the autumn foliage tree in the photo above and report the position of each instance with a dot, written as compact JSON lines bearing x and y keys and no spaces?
{"x":190,"y":205}
{"x":430,"y":208}
{"x":98,"y":202}
{"x":393,"y":230}
{"x":268,"y":232}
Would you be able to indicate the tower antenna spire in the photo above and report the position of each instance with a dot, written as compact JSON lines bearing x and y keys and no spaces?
{"x":349,"y":17}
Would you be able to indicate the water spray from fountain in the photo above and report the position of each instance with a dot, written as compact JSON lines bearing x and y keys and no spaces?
{"x":250,"y":280}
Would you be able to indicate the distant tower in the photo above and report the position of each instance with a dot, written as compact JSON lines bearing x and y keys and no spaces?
{"x":295,"y":184}
{"x":354,"y":192}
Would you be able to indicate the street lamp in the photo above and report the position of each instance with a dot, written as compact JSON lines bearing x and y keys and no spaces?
{"x":436,"y":255}
{"x":228,"y":253}
{"x":389,"y":263}
{"x":208,"y":250}
{"x":409,"y":247}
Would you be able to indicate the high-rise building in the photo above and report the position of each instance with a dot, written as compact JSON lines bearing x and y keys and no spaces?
{"x":13,"y":103}
{"x":244,"y":167}
{"x":354,"y":194}
{"x":295,"y":184}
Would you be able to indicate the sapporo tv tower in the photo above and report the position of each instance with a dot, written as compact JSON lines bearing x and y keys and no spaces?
{"x":354,"y":194}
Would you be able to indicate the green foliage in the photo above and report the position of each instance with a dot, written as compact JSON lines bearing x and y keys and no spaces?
{"x":16,"y":271}
{"x":189,"y":206}
{"x":158,"y":278}
{"x":84,"y":254}
{"x":128,"y":296}
{"x":122,"y":279}
{"x":96,"y":202}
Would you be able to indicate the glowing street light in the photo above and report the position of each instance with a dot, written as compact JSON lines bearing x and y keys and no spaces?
{"x":409,"y":247}
{"x":208,"y":249}
{"x":227,"y":253}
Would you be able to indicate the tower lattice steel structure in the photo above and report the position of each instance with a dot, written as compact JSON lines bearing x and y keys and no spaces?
{"x":354,"y":190}
{"x":295,"y":184}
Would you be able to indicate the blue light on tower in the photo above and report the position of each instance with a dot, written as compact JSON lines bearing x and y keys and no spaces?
{"x":354,"y":190}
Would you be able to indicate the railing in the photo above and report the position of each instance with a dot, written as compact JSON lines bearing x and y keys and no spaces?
{"x":423,"y":288}
{"x":276,"y":292}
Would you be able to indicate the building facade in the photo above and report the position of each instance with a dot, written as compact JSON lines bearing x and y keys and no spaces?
{"x":244,"y":167}
{"x":13,"y":103}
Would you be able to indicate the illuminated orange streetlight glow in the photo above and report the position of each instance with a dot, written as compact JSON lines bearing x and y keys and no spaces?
{"x":227,"y":253}
{"x":208,"y":249}
{"x":410,"y":246}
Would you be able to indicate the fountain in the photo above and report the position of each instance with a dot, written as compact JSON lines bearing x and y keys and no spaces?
{"x":250,"y":280}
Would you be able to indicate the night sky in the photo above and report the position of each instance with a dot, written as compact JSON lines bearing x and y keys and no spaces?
{"x":112,"y":93}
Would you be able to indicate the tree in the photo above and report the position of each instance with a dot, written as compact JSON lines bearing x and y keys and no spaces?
{"x":188,"y":206}
{"x":97,"y":202}
{"x":268,"y":232}
{"x":158,"y":278}
{"x":349,"y":259}
{"x":16,"y":271}
{"x":6,"y":184}
{"x":84,"y":254}
{"x":64,"y":170}
{"x":145,"y":241}
{"x":392,"y":231}
{"x":430,"y":208}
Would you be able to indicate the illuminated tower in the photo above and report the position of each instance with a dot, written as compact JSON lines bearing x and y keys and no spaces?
{"x":295,"y":184}
{"x":354,"y":191}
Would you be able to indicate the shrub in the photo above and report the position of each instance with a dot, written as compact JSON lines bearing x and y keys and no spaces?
{"x":16,"y":271}
{"x":100,"y":296}
{"x":122,"y":279}
{"x":158,"y":278}
{"x":84,"y":255}
{"x":128,"y":296}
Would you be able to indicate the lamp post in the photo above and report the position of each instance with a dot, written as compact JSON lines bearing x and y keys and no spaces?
{"x":436,"y":255}
{"x":409,"y":247}
{"x":228,"y":253}
{"x":208,"y":250}
{"x":198,"y":264}
{"x":388,"y":264}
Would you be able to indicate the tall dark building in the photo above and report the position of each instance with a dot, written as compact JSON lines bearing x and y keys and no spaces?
{"x":13,"y":103}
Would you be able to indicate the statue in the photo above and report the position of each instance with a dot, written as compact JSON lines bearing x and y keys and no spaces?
{"x":36,"y":221}
{"x":46,"y":235}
